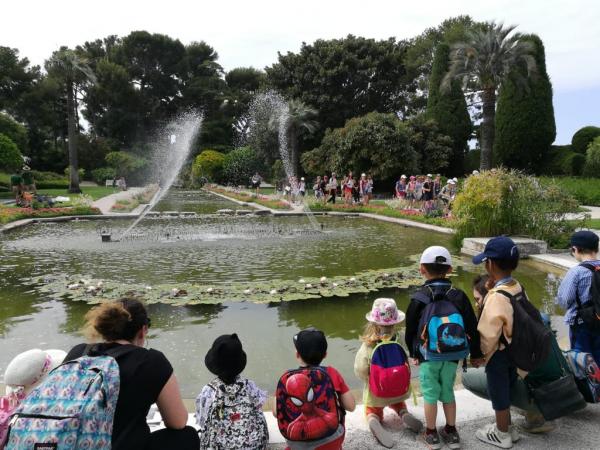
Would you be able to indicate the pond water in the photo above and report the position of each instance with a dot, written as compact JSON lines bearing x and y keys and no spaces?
{"x":219,"y":250}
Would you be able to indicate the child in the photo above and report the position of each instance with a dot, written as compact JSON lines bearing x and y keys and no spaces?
{"x":501,"y":257}
{"x":308,"y":399}
{"x":382,"y":326}
{"x":441,"y":329}
{"x":229,"y":408}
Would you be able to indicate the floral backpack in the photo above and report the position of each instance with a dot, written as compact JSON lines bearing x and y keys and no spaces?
{"x":8,"y":405}
{"x":72,"y":409}
{"x":234,"y":421}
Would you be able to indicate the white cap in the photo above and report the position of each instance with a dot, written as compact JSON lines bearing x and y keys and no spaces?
{"x":455,"y":179}
{"x":429,"y":175}
{"x":451,"y":181}
{"x":302,"y":179}
{"x":476,"y":172}
{"x":436,"y":255}
{"x":363,"y":175}
{"x":403,"y":176}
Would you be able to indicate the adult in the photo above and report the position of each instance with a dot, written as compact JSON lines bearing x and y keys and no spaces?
{"x":427,"y":195}
{"x":401,"y":188}
{"x":333,"y":185}
{"x":362,"y":189}
{"x":256,"y":180}
{"x":28,"y":181}
{"x":411,"y":190}
{"x":348,"y":186}
{"x":16,"y":185}
{"x":317,"y":188}
{"x":574,"y":293}
{"x":324,"y":188}
{"x":302,"y":187}
{"x":369,"y":189}
{"x":437,"y":186}
{"x":146,"y":377}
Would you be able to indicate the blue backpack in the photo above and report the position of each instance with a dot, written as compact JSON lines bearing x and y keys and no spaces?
{"x":442,"y":328}
{"x":72,"y":409}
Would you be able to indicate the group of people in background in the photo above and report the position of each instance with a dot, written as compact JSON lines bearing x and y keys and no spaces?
{"x":23,"y":186}
{"x":351,"y":190}
{"x":442,"y":329}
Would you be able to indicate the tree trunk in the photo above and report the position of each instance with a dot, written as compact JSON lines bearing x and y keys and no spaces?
{"x":293,"y":145}
{"x":488,"y":128}
{"x":73,"y":164}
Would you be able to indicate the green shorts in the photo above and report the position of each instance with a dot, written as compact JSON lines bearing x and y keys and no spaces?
{"x":437,"y":381}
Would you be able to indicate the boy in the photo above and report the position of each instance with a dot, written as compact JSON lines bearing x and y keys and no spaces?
{"x":501,"y":258}
{"x":311,"y":349}
{"x":437,"y":376}
{"x":574,"y":290}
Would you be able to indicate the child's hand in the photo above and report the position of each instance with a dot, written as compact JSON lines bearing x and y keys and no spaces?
{"x":414,"y":361}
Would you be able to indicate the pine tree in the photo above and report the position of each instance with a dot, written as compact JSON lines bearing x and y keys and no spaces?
{"x":525,"y":127}
{"x":449,"y":110}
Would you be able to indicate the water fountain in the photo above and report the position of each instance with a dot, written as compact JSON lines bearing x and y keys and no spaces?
{"x":169,"y":158}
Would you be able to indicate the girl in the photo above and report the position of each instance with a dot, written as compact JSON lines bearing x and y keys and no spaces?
{"x":146,"y":378}
{"x":229,"y":408}
{"x":348,"y":187}
{"x":382,"y":324}
{"x":411,"y":190}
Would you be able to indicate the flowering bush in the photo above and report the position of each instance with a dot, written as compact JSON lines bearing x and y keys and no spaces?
{"x":12,"y":214}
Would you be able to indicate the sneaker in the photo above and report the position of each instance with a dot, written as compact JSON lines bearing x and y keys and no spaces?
{"x":380,"y":433}
{"x":432,"y":441}
{"x":513,"y":430}
{"x":452,"y":440}
{"x":537,"y":426}
{"x":411,"y":422}
{"x":490,"y":434}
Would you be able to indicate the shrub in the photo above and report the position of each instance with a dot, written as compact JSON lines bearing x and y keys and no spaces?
{"x":10,"y":156}
{"x":592,"y":159}
{"x":239,"y":166}
{"x":102,"y":174}
{"x":127,"y":165}
{"x":584,"y":137}
{"x":14,"y":130}
{"x":80,"y":171}
{"x":208,"y":164}
{"x":577,"y":164}
{"x":508,"y":202}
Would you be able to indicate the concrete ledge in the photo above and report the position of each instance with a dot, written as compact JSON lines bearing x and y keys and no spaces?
{"x":561,"y":261}
{"x":527,"y":247}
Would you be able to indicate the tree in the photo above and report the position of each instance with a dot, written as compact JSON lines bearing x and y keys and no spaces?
{"x":16,"y":77}
{"x":299,"y":121}
{"x":433,"y":148}
{"x":209,"y":164}
{"x":14,"y":130}
{"x":583,"y":138}
{"x":488,"y":59}
{"x":344,"y":78}
{"x":243,"y":83}
{"x":72,"y":70}
{"x":10,"y":156}
{"x":592,"y":159}
{"x":525,"y":126}
{"x":449,"y":111}
{"x":376,"y":143}
{"x":239,"y":166}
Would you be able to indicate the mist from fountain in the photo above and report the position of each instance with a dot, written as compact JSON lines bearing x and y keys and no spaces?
{"x":271,"y":105}
{"x":170,"y":153}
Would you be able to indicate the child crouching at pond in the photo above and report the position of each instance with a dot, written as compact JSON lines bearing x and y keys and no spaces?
{"x":383,"y":365}
{"x":229,"y":408}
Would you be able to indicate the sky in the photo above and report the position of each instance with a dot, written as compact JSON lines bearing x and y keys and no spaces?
{"x":250,"y":33}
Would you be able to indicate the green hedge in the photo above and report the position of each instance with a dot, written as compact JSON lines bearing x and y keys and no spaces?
{"x":583,"y":138}
{"x":585,"y":190}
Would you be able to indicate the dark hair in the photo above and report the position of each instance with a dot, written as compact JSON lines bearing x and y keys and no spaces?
{"x":312,"y":357}
{"x":506,"y":264}
{"x":586,"y":251}
{"x":479,"y":284}
{"x":121,"y":319}
{"x":437,"y":270}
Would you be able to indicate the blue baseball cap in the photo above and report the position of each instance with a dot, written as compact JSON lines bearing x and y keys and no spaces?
{"x":500,"y":247}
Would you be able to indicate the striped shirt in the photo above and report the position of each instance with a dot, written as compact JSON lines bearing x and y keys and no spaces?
{"x":576,"y":284}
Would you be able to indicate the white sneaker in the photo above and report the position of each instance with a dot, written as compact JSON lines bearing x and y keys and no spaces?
{"x":513,"y":430}
{"x":490,"y":434}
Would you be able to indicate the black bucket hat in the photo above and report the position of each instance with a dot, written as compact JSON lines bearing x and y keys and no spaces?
{"x":226,"y":358}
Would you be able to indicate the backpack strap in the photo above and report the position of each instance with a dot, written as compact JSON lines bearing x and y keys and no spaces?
{"x":511,"y":298}
{"x":594,"y":269}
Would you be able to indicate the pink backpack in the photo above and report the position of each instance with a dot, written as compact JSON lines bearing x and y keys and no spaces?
{"x":389,"y":374}
{"x":8,"y":405}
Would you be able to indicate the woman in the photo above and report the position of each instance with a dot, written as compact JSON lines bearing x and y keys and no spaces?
{"x":348,"y":187}
{"x":146,"y":377}
{"x":318,"y":189}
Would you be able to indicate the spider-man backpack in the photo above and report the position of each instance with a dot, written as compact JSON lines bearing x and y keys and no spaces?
{"x":308,"y":407}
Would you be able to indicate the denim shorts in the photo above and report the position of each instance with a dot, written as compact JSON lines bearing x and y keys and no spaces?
{"x":500,"y":374}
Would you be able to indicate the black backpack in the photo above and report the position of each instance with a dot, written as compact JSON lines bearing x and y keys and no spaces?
{"x":589,"y":313}
{"x":531,"y":342}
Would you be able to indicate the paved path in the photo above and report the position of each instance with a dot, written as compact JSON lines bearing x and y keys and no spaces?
{"x":592,"y":211}
{"x":106,"y":203}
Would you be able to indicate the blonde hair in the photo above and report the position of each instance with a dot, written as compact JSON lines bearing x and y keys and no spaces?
{"x":373,"y":333}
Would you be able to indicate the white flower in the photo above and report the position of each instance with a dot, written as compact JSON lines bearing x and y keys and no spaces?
{"x":74,"y":286}
{"x":385,"y":275}
{"x":301,"y":280}
{"x":334,"y":285}
{"x":91,"y":289}
{"x":352,"y":279}
{"x":209,"y":290}
{"x":148,"y":288}
{"x":174,"y":292}
{"x":247,"y":291}
{"x":323,"y":279}
{"x":100,"y":284}
{"x":273,"y":291}
{"x":308,"y":286}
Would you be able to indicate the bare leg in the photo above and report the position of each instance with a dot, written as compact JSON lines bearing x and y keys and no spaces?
{"x":450,"y":413}
{"x":430,"y":415}
{"x":503,"y":420}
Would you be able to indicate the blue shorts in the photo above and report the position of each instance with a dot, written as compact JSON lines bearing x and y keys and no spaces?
{"x":501,"y":374}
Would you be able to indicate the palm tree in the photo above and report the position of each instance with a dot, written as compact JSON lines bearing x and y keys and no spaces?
{"x":486,"y":60}
{"x":71,"y":70}
{"x":300,"y":121}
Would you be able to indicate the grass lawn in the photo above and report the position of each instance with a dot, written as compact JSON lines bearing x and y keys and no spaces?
{"x":593,"y":223}
{"x":95,"y":192}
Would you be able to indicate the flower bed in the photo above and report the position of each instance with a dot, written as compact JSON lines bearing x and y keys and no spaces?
{"x":11,"y":214}
{"x":244,"y":196}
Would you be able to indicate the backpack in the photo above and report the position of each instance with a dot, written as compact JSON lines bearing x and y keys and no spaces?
{"x":589,"y":313}
{"x":308,"y":408}
{"x":442,"y":327}
{"x":72,"y":408}
{"x":586,"y":373}
{"x":8,"y":405}
{"x":389,"y":372}
{"x":531,"y":340}
{"x":234,"y":421}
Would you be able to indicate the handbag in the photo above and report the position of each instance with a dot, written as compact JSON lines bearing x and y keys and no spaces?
{"x":560,"y":397}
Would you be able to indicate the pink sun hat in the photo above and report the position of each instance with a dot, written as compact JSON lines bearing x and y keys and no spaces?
{"x":385,"y":312}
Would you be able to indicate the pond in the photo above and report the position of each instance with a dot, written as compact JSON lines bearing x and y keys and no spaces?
{"x":220,"y":251}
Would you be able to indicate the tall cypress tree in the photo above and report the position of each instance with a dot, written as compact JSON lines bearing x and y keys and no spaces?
{"x":525,"y":127}
{"x":449,"y":110}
